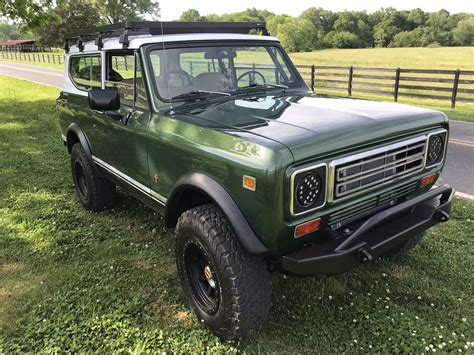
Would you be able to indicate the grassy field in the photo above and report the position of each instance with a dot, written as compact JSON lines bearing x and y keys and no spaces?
{"x":75,"y":281}
{"x":431,"y":58}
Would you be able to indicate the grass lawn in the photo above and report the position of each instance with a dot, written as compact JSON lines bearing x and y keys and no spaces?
{"x":75,"y":281}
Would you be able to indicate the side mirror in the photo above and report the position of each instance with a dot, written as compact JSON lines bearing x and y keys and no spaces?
{"x":104,"y":100}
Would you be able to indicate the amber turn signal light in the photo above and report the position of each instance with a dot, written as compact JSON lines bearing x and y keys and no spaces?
{"x":249,"y":183}
{"x":307,"y":227}
{"x":429,"y":179}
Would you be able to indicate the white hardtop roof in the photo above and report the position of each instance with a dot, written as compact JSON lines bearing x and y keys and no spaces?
{"x":138,"y":41}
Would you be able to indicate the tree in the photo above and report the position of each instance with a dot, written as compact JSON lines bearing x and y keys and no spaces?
{"x":438,"y":28}
{"x":412,"y":38}
{"x":296,"y":35}
{"x":29,"y":13}
{"x":463,"y":33}
{"x":68,"y":17}
{"x":191,"y":15}
{"x":113,"y":11}
{"x":10,"y":31}
{"x":343,"y":39}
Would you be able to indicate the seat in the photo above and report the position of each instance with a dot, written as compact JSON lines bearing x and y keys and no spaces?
{"x":212,"y":82}
{"x":175,"y":82}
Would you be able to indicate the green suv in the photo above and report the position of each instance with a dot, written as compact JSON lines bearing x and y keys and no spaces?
{"x":216,"y":129}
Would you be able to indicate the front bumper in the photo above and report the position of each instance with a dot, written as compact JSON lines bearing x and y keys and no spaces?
{"x":376,"y":236}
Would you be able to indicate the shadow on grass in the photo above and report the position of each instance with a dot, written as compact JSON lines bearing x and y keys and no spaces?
{"x":75,"y":281}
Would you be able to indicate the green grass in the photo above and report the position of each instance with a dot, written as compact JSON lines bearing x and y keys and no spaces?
{"x":430,"y":58}
{"x":71,"y":280}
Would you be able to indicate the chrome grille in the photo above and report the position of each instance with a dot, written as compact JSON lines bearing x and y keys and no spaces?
{"x":363,"y":171}
{"x":368,"y":206}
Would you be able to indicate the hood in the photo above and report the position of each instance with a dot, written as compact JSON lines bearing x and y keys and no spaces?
{"x":316,"y":126}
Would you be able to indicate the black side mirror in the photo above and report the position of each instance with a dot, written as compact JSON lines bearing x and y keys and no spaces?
{"x":104,"y":100}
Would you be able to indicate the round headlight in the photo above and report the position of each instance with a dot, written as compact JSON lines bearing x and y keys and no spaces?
{"x":435,"y":149}
{"x":308,"y":189}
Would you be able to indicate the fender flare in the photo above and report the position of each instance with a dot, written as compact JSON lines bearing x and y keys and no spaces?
{"x":210,"y":187}
{"x":84,"y":141}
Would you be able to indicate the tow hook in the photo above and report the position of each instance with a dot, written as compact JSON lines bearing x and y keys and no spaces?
{"x":365,"y":256}
{"x":442,"y":216}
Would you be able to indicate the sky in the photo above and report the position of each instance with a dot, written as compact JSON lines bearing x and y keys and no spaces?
{"x":171,"y":9}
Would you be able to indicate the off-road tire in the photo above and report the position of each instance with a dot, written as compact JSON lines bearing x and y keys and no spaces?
{"x":99,"y":193}
{"x":402,"y":250}
{"x":243,"y":280}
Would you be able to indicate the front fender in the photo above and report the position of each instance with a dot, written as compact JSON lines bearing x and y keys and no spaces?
{"x":211,"y":188}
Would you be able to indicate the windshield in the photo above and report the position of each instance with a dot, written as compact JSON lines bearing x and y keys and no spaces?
{"x":214,"y":70}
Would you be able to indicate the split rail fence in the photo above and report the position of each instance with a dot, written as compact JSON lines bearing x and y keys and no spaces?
{"x":435,"y":84}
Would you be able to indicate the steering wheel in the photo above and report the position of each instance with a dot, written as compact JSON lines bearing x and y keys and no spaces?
{"x":251,"y":74}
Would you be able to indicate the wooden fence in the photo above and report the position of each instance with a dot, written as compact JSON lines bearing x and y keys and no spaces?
{"x":435,"y":84}
{"x":34,"y":57}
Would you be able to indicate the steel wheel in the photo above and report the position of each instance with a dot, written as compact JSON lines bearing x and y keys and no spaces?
{"x":202,"y":279}
{"x":81,"y":179}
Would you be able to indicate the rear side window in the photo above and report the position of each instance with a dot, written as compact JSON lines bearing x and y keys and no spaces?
{"x":86,"y":71}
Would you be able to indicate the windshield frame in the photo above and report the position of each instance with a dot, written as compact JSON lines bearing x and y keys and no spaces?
{"x":300,"y":83}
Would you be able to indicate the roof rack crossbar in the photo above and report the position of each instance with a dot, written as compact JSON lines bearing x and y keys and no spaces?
{"x":125,"y":29}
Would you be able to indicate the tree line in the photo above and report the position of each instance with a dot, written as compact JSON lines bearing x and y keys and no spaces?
{"x":317,"y":28}
{"x":50,"y":21}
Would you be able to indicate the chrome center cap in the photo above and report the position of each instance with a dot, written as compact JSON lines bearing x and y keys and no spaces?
{"x":209,"y":278}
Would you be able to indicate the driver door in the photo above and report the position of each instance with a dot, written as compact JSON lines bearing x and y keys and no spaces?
{"x":120,"y":136}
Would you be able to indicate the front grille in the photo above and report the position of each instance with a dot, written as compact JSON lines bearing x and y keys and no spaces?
{"x":363,"y":171}
{"x":371,"y":205}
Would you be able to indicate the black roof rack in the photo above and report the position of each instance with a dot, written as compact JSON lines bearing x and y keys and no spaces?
{"x":134,"y":28}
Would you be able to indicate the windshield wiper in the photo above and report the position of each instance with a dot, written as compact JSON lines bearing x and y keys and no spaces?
{"x":196,"y":94}
{"x":262,"y":86}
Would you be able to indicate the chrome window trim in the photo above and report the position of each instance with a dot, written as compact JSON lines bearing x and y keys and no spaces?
{"x":445,"y":148}
{"x":292,"y":197}
{"x":134,"y":183}
{"x":336,"y":162}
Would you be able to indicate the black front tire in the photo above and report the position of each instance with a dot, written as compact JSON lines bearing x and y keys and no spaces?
{"x":240,"y":300}
{"x":95,"y":192}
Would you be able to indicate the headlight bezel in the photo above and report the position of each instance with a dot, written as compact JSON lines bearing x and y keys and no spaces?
{"x":443,"y":135}
{"x":322,"y":171}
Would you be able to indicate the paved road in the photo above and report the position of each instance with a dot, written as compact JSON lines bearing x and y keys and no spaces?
{"x":37,"y":74}
{"x":459,"y":171}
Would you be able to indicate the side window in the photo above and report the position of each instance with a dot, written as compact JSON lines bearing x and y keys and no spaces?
{"x":120,"y":72}
{"x":86,"y":71}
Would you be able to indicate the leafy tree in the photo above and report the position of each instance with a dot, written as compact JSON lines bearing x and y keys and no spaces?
{"x":343,"y":39}
{"x":113,"y":11}
{"x":438,"y":28}
{"x":355,"y":24}
{"x":389,"y":22}
{"x":412,"y":38}
{"x":67,"y":17}
{"x":29,"y":12}
{"x":10,"y":31}
{"x":191,"y":15}
{"x":463,"y":33}
{"x":296,"y":35}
